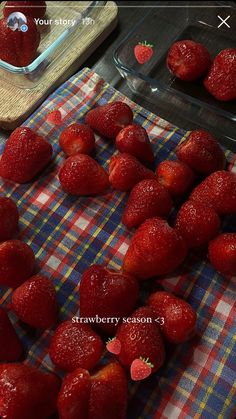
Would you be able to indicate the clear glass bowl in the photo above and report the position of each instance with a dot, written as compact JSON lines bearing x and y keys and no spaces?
{"x":161,"y":26}
{"x":55,"y":39}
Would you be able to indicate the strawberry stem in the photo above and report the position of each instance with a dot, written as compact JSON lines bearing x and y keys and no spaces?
{"x":147,"y":362}
{"x":146,"y":44}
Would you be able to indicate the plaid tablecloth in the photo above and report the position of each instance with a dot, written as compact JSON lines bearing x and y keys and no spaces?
{"x":67,"y":234}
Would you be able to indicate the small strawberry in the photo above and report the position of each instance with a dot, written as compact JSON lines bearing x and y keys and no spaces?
{"x":77,"y":138}
{"x":81,"y":175}
{"x":113,"y":346}
{"x":102,"y":395}
{"x":9,"y":217}
{"x":175,"y":176}
{"x":188,"y":60}
{"x":35,"y":9}
{"x":75,"y":345}
{"x":140,"y":369}
{"x":18,"y":48}
{"x":222,"y":253}
{"x":34,"y":302}
{"x":134,"y":140}
{"x":140,"y":337}
{"x":179,"y":317}
{"x":118,"y":295}
{"x":147,"y":199}
{"x":219,"y":191}
{"x":17,"y":262}
{"x":24,"y":156}
{"x":155,"y":249}
{"x":11,"y":348}
{"x":109,"y":119}
{"x":221,"y":79}
{"x":125,"y":171}
{"x":55,"y":117}
{"x":197,"y":223}
{"x":201,"y":152}
{"x":26,"y":392}
{"x":143,"y":52}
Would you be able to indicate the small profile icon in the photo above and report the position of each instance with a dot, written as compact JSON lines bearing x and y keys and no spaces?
{"x":17,"y":21}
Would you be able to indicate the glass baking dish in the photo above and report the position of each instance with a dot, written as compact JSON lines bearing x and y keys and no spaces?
{"x":162,"y":25}
{"x":75,"y":18}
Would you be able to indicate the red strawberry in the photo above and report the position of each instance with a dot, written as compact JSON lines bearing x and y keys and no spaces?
{"x":219,"y":191}
{"x":35,"y":302}
{"x":55,"y":117}
{"x":221,"y":79}
{"x":35,"y":9}
{"x":188,"y":60}
{"x":113,"y":346}
{"x":201,"y":152}
{"x":102,"y":395}
{"x":75,"y":345}
{"x":140,"y":369}
{"x":16,"y":263}
{"x":77,"y":138}
{"x":9,"y":217}
{"x":222,"y":253}
{"x":109,"y":119}
{"x":176,"y":176}
{"x":125,"y":171}
{"x":81,"y":175}
{"x":197,"y":223}
{"x":179,"y":317}
{"x":134,"y":140}
{"x":147,"y":199}
{"x":18,"y":48}
{"x":107,"y":293}
{"x":155,"y":249}
{"x":140,"y":337}
{"x":143,"y":52}
{"x":10,"y":348}
{"x":26,"y":392}
{"x":24,"y":156}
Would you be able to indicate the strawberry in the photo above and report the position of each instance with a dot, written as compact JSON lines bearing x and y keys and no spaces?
{"x":155,"y":249}
{"x":201,"y":152}
{"x":197,"y":223}
{"x":134,"y":140}
{"x":81,"y":175}
{"x":222,"y":253}
{"x":188,"y":60}
{"x":140,"y":369}
{"x":219,"y":191}
{"x":109,"y":119}
{"x":140,"y":337}
{"x":11,"y":348}
{"x":107,"y":293}
{"x":175,"y":176}
{"x":221,"y":79}
{"x":125,"y":171}
{"x":18,"y":48}
{"x":35,"y":9}
{"x":179,"y":317}
{"x":55,"y":117}
{"x":113,"y":346}
{"x":75,"y":345}
{"x":147,"y":199}
{"x":16,"y":263}
{"x":77,"y":138}
{"x":102,"y":395}
{"x":34,"y":302}
{"x":143,"y":52}
{"x":9,"y":217}
{"x":26,"y":392}
{"x":24,"y":156}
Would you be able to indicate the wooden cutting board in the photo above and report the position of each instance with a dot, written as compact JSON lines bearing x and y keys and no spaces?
{"x":16,"y":104}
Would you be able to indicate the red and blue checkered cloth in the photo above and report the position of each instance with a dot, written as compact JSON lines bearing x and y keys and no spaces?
{"x":68,"y":234}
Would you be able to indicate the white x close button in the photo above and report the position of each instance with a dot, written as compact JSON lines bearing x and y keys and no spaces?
{"x":223,"y":21}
